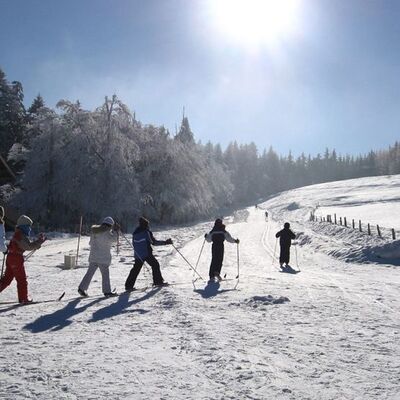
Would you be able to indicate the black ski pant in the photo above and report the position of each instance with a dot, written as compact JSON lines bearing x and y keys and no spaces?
{"x":155,"y":267}
{"x":216,"y":260}
{"x":284,"y":257}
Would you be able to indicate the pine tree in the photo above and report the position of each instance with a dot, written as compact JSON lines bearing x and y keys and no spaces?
{"x":36,"y":105}
{"x":12,"y":114}
{"x":185,"y":135}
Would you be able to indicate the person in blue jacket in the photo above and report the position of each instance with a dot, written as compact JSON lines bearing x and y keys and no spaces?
{"x":143,"y":240}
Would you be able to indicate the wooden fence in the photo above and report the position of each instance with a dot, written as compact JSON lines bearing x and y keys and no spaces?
{"x":360,"y":226}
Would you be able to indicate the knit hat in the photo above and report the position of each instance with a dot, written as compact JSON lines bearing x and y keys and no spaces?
{"x":218,"y":222}
{"x":108,"y":221}
{"x":143,"y":222}
{"x":24,"y":220}
{"x":286,"y":225}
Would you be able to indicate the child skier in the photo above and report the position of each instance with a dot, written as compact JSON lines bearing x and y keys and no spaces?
{"x":285,"y":241}
{"x":143,"y":239}
{"x":101,"y":239}
{"x":217,"y":236}
{"x":19,"y":243}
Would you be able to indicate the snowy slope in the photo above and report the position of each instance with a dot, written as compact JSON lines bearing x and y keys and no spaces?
{"x":329,"y":332}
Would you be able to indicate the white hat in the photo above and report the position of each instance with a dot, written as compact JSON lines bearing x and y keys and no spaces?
{"x":24,"y":220}
{"x":108,"y":221}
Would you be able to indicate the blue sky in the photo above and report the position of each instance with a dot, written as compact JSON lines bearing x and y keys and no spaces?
{"x":333,"y":83}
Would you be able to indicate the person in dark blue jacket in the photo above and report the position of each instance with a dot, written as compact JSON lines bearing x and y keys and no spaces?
{"x":143,"y":239}
{"x":217,"y":236}
{"x":285,"y":241}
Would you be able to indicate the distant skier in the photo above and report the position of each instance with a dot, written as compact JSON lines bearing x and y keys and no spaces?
{"x":266,"y":215}
{"x":101,"y":239}
{"x":143,"y":239}
{"x":285,"y":241}
{"x":217,"y":236}
{"x":19,"y":243}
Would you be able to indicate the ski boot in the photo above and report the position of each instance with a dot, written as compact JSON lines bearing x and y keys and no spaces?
{"x":82,"y":292}
{"x":110,"y":294}
{"x":161,"y":284}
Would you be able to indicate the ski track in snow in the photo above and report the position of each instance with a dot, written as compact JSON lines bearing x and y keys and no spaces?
{"x":329,"y":332}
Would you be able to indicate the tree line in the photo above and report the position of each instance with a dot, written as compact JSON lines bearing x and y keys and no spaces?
{"x":70,"y":161}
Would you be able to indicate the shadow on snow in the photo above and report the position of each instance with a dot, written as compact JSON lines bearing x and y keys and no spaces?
{"x":211,"y":290}
{"x":60,"y":318}
{"x":120,"y":307}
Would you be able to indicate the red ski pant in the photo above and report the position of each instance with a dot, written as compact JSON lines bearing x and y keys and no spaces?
{"x":15,"y":269}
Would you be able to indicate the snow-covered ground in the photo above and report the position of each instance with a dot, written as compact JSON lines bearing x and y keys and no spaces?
{"x":329,"y":332}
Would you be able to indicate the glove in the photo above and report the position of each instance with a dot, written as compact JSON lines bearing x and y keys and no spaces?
{"x":42,"y":237}
{"x":168,"y":241}
{"x":237,"y":241}
{"x":116,"y":227}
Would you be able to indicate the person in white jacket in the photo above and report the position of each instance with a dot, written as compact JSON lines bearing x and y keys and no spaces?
{"x":101,"y":239}
{"x":3,"y":245}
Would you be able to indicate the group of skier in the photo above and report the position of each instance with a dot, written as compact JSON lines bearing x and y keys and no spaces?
{"x":102,"y":238}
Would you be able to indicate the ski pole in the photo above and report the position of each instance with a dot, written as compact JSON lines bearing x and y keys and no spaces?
{"x":2,"y":267}
{"x":297,"y":262}
{"x":79,"y":241}
{"x":190,"y":265}
{"x":197,"y":263}
{"x":238,"y":270}
{"x":273,"y":256}
{"x":117,"y":242}
{"x":29,"y":255}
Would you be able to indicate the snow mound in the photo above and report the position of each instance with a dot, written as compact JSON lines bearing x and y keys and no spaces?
{"x":255,"y":301}
{"x":302,"y":239}
{"x":293,"y":206}
{"x":389,"y":250}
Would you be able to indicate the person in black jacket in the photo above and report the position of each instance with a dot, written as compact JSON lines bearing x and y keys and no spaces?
{"x":143,"y":240}
{"x":285,"y":241}
{"x":217,"y":236}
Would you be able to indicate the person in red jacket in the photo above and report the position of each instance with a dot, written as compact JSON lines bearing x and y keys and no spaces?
{"x":19,"y":243}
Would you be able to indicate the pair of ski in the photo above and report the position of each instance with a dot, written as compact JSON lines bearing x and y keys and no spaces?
{"x":33,"y":301}
{"x":60,"y":298}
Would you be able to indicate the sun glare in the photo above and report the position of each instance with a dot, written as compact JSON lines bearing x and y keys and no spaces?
{"x":256,"y":22}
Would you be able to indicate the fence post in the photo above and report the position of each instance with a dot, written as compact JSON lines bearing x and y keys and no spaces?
{"x":340,"y":221}
{"x":359,"y":225}
{"x":353,"y":224}
{"x":345,"y":222}
{"x":393,"y":234}
{"x":379,"y":231}
{"x":335,"y":219}
{"x":369,"y":229}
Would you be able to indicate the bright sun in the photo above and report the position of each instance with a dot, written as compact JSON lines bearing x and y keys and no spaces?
{"x":256,"y":22}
